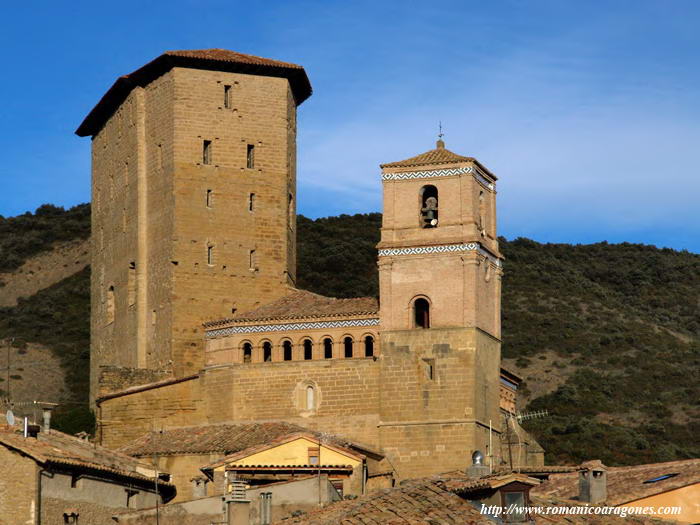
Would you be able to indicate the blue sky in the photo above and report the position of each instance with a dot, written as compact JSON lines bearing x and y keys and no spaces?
{"x":589,"y":112}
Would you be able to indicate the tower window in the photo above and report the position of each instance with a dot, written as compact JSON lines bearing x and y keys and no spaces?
{"x":421,"y":311}
{"x":347,"y":345}
{"x":328,"y":348}
{"x":290,"y":210}
{"x":310,"y":398}
{"x":110,"y":305}
{"x":251,"y":261}
{"x":429,"y":368}
{"x":251,"y":202}
{"x":131,"y":285}
{"x":287,"y":350}
{"x":369,"y":346}
{"x":247,"y":352}
{"x":250,"y":156}
{"x":227,"y":97}
{"x":308,"y":349}
{"x":209,"y":198}
{"x":429,"y":206}
{"x":210,"y":254}
{"x":267,"y":351}
{"x":482,"y":214}
{"x":206,"y":152}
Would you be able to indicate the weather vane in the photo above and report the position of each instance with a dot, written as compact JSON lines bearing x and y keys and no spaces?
{"x":440,"y":134}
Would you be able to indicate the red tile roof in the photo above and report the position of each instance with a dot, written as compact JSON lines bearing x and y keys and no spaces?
{"x":55,"y":447}
{"x":432,"y":501}
{"x":224,"y":439}
{"x":212,"y":59}
{"x":626,"y":484}
{"x":439,"y":155}
{"x":301,"y":304}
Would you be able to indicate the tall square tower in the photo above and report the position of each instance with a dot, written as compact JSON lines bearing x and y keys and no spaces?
{"x":440,"y":287}
{"x":193,"y":202}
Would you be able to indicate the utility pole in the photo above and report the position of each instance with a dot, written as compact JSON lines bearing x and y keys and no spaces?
{"x":9,"y":348}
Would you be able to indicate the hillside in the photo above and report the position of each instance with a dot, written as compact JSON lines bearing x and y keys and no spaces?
{"x":607,"y":336}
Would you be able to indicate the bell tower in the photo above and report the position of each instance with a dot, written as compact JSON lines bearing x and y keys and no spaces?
{"x":440,"y":287}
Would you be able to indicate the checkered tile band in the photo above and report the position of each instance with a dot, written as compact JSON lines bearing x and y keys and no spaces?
{"x":443,"y":248}
{"x":284,"y":327}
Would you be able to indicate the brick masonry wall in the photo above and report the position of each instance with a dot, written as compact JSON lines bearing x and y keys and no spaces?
{"x":18,"y":488}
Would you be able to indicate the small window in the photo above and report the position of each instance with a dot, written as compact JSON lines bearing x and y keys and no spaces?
{"x":310,"y":398}
{"x":110,"y":305}
{"x":290,"y":210}
{"x":227,"y":97}
{"x":327,"y":348}
{"x":429,"y":369}
{"x":247,"y":353}
{"x":347,"y":345}
{"x":251,"y":261}
{"x":287,"y":350}
{"x":514,"y":503}
{"x":131,"y":285}
{"x":250,"y":156}
{"x":251,"y":202}
{"x":209,"y":198}
{"x":429,"y":206}
{"x":308,"y":349}
{"x":421,"y":310}
{"x":210,"y":255}
{"x":314,"y":455}
{"x":267,"y":351}
{"x":206,"y":152}
{"x":369,"y":346}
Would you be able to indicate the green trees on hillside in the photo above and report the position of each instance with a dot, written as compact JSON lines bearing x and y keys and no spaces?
{"x":622,"y":318}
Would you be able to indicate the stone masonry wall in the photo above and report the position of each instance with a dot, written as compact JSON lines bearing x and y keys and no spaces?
{"x":18,"y":488}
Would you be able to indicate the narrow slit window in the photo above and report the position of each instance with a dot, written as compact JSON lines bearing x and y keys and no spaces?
{"x":308,"y":349}
{"x":429,"y":369}
{"x":132,"y":283}
{"x":421,"y":311}
{"x":250,"y":156}
{"x":227,"y":97}
{"x":290,"y":210}
{"x":369,"y":346}
{"x":251,"y":260}
{"x":347,"y":345}
{"x":310,"y":398}
{"x":247,"y":352}
{"x":110,"y":305}
{"x":327,"y":348}
{"x":206,"y":152}
{"x":210,"y":254}
{"x":209,"y":198}
{"x":267,"y":351}
{"x":287,"y":350}
{"x":251,"y":202}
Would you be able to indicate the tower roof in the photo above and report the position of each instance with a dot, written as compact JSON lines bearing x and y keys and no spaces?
{"x":213,"y":59}
{"x":439,"y":155}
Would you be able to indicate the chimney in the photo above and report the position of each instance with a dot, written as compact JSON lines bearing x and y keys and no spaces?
{"x":199,"y":487}
{"x":238,"y":507}
{"x":46,"y":412}
{"x":593,"y":482}
{"x":477,"y":469}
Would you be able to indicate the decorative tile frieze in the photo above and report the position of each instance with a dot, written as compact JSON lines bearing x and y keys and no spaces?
{"x":426,"y":174}
{"x":441,"y":248}
{"x":284,"y":327}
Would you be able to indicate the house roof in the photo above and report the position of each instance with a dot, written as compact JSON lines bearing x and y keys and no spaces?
{"x":431,"y":501}
{"x":212,"y":59}
{"x":224,"y":439}
{"x":57,"y":448}
{"x":626,"y":484}
{"x":276,"y":442}
{"x":301,"y":304}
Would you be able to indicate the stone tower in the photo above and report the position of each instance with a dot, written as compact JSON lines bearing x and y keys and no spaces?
{"x":193,"y":192}
{"x":440,"y":286}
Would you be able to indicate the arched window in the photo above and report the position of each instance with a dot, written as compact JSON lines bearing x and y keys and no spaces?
{"x":328,"y":348}
{"x":310,"y":398}
{"x":369,"y":346}
{"x":287,"y":350}
{"x":247,"y":352}
{"x":421,"y":313}
{"x":308,"y":349}
{"x":267,"y":351}
{"x":429,"y":206}
{"x":347,"y":345}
